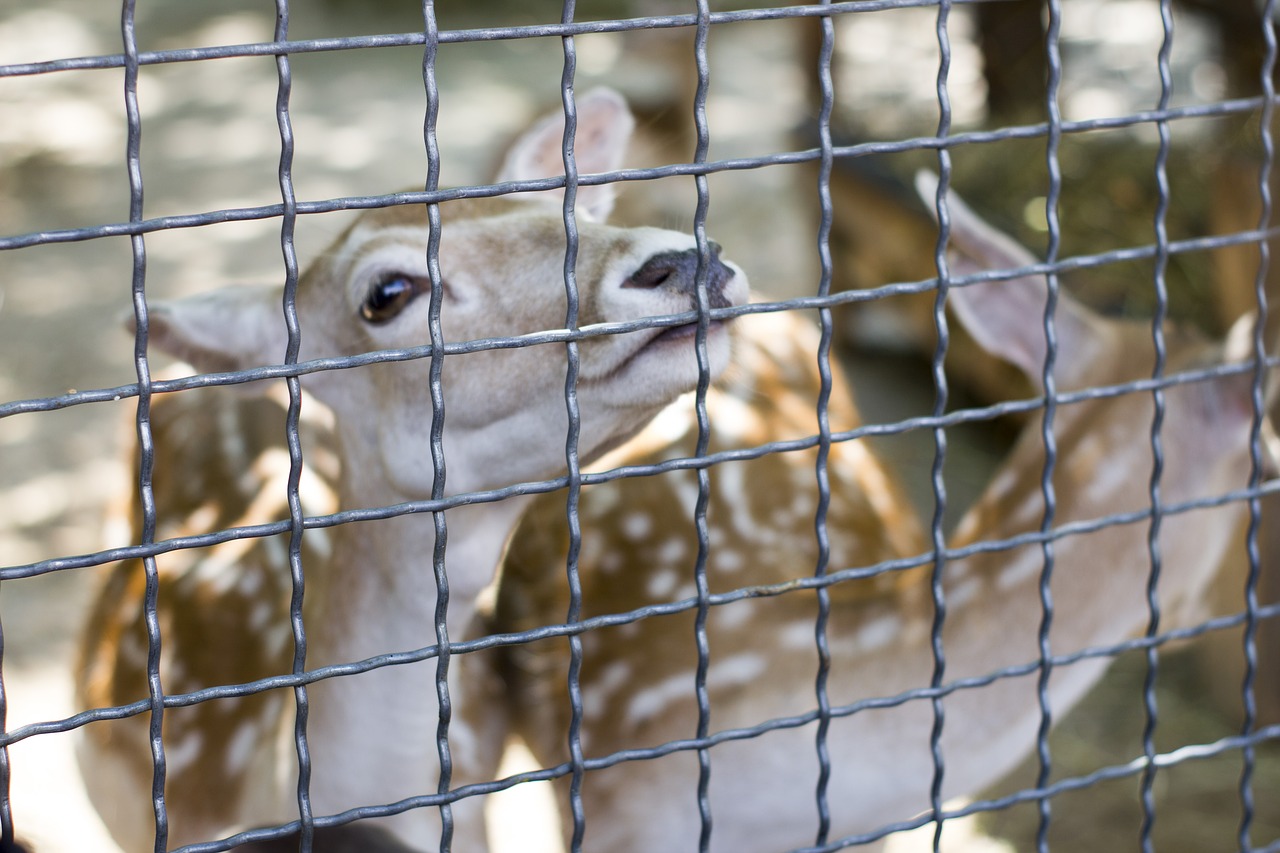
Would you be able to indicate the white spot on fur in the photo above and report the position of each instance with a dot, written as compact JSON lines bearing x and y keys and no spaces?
{"x":600,"y":502}
{"x":250,"y":583}
{"x":731,"y":616}
{"x":649,"y":703}
{"x":727,"y":560}
{"x":672,"y":551}
{"x":595,"y":696}
{"x":734,"y":419}
{"x":731,"y":481}
{"x":736,"y":670}
{"x":1029,"y":564}
{"x":964,"y":592}
{"x":661,"y":583}
{"x":798,"y":635}
{"x":637,"y":525}
{"x":242,"y":747}
{"x":730,"y":672}
{"x":879,"y":632}
{"x":611,"y":562}
{"x":260,"y":618}
{"x":182,"y":754}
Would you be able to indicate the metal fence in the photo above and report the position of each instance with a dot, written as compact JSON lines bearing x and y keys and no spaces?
{"x":1252,"y":744}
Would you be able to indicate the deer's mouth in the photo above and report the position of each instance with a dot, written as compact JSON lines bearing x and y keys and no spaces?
{"x":668,"y":345}
{"x":685,"y":332}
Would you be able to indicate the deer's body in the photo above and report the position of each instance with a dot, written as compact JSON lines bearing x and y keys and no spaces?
{"x":370,"y":588}
{"x":638,"y":679}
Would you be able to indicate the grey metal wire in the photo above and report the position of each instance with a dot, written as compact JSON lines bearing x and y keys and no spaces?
{"x":1053,"y":141}
{"x":826,"y":94}
{"x":436,"y":441}
{"x":823,"y":577}
{"x":961,"y":416}
{"x":155,"y":688}
{"x":288,"y":222}
{"x":937,"y":534}
{"x":701,"y":277}
{"x":1260,"y":347}
{"x":1030,"y":131}
{"x":461,"y":36}
{"x":574,"y":477}
{"x":1147,"y":786}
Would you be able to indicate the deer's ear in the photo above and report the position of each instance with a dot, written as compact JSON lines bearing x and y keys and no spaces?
{"x":604,"y":127}
{"x":1005,"y":317}
{"x":229,"y":329}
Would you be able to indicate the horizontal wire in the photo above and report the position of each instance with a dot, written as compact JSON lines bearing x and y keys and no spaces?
{"x":956,"y":418}
{"x":863,"y":149}
{"x":1181,"y":755}
{"x":206,"y":380}
{"x":461,"y":36}
{"x":231,"y":691}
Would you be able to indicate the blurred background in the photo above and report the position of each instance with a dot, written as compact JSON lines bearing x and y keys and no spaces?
{"x":210,"y":142}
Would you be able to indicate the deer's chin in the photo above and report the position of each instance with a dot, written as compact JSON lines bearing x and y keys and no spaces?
{"x":665,"y":365}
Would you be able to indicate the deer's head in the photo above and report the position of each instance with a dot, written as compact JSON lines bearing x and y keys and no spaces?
{"x":502,"y":272}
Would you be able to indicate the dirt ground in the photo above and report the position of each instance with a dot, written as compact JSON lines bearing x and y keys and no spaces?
{"x":210,"y":142}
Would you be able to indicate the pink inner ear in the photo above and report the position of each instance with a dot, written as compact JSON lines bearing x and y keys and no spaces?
{"x":600,"y":143}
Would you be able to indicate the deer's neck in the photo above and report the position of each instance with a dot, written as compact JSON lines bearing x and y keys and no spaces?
{"x":1098,"y":584}
{"x":373,"y":735}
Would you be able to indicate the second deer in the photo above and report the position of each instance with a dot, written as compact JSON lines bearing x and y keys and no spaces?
{"x":638,"y":549}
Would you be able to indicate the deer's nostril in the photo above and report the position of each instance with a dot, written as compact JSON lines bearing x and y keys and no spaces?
{"x":651,"y":275}
{"x":665,"y":270}
{"x":678,"y":272}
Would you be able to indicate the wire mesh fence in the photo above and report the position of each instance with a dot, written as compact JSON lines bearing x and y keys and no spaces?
{"x":805,"y":666}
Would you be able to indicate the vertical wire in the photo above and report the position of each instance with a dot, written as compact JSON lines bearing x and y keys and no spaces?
{"x":1157,"y":444}
{"x":936,"y":532}
{"x":155,"y":688}
{"x":1247,"y":687}
{"x":701,"y":277}
{"x":569,"y":160}
{"x":1052,"y":144}
{"x":821,"y":473}
{"x":288,"y":224}
{"x":429,"y":56}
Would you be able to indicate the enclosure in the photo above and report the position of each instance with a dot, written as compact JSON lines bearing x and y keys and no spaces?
{"x":165,"y":149}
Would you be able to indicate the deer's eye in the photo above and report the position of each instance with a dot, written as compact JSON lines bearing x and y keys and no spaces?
{"x":388,"y":296}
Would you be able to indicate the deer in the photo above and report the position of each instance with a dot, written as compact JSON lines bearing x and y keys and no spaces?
{"x":638,"y":548}
{"x":365,"y":433}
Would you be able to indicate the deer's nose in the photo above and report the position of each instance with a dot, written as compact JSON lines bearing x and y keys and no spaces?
{"x":678,"y":271}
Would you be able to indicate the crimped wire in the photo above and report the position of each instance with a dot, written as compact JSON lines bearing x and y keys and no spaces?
{"x":1259,"y":402}
{"x":937,"y":536}
{"x":1150,"y":709}
{"x":439,"y":571}
{"x":288,"y":223}
{"x":613,"y":620}
{"x":461,"y":36}
{"x":155,"y":687}
{"x":572,"y":461}
{"x":956,"y":418}
{"x":826,"y":93}
{"x":1031,"y":131}
{"x":701,"y":277}
{"x":1053,"y":141}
